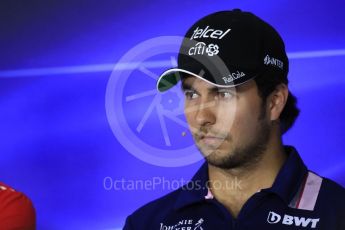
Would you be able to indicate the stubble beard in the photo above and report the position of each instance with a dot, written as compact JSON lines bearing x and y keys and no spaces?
{"x":241,"y":156}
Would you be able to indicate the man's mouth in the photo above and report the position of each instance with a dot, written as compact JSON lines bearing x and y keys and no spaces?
{"x":211,"y":139}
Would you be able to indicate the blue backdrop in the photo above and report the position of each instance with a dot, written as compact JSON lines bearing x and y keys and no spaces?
{"x":71,"y":120}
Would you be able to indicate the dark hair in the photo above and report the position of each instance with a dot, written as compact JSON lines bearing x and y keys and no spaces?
{"x":266,"y":84}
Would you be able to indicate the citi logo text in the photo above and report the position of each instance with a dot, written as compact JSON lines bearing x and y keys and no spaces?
{"x":209,"y":33}
{"x":200,"y":48}
{"x":274,"y":218}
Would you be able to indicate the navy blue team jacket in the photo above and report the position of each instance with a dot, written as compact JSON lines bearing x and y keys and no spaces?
{"x":298,"y":199}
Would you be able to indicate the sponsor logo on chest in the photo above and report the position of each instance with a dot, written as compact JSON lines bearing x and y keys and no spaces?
{"x":186,"y":224}
{"x":298,"y":221}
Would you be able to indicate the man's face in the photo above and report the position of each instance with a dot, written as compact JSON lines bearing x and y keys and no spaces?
{"x":229,"y":125}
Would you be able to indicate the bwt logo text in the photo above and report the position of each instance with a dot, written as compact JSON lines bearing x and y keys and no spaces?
{"x":274,"y":218}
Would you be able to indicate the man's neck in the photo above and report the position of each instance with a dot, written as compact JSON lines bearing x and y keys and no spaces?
{"x":233,"y":187}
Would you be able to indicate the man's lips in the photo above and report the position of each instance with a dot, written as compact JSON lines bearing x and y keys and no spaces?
{"x":211,"y":140}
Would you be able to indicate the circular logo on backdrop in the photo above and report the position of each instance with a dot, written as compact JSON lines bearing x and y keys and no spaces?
{"x":148,"y":124}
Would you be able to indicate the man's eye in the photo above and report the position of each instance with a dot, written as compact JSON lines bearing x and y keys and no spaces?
{"x":190,"y":94}
{"x":225,"y":94}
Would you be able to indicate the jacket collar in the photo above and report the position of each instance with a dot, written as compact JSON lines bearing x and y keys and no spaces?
{"x":286,"y":184}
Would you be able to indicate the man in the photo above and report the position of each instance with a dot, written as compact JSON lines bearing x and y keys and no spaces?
{"x":233,"y":71}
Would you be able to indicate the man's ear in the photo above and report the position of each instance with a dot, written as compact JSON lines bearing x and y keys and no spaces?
{"x":277,"y":101}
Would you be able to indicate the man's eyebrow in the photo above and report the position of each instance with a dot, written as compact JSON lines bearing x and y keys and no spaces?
{"x":186,"y":86}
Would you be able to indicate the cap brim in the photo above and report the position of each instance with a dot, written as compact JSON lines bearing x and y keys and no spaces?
{"x":171,"y":77}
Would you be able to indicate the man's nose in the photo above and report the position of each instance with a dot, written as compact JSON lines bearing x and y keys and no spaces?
{"x":206,"y":113}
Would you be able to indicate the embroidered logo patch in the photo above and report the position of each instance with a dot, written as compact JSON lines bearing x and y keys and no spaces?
{"x":187,"y":224}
